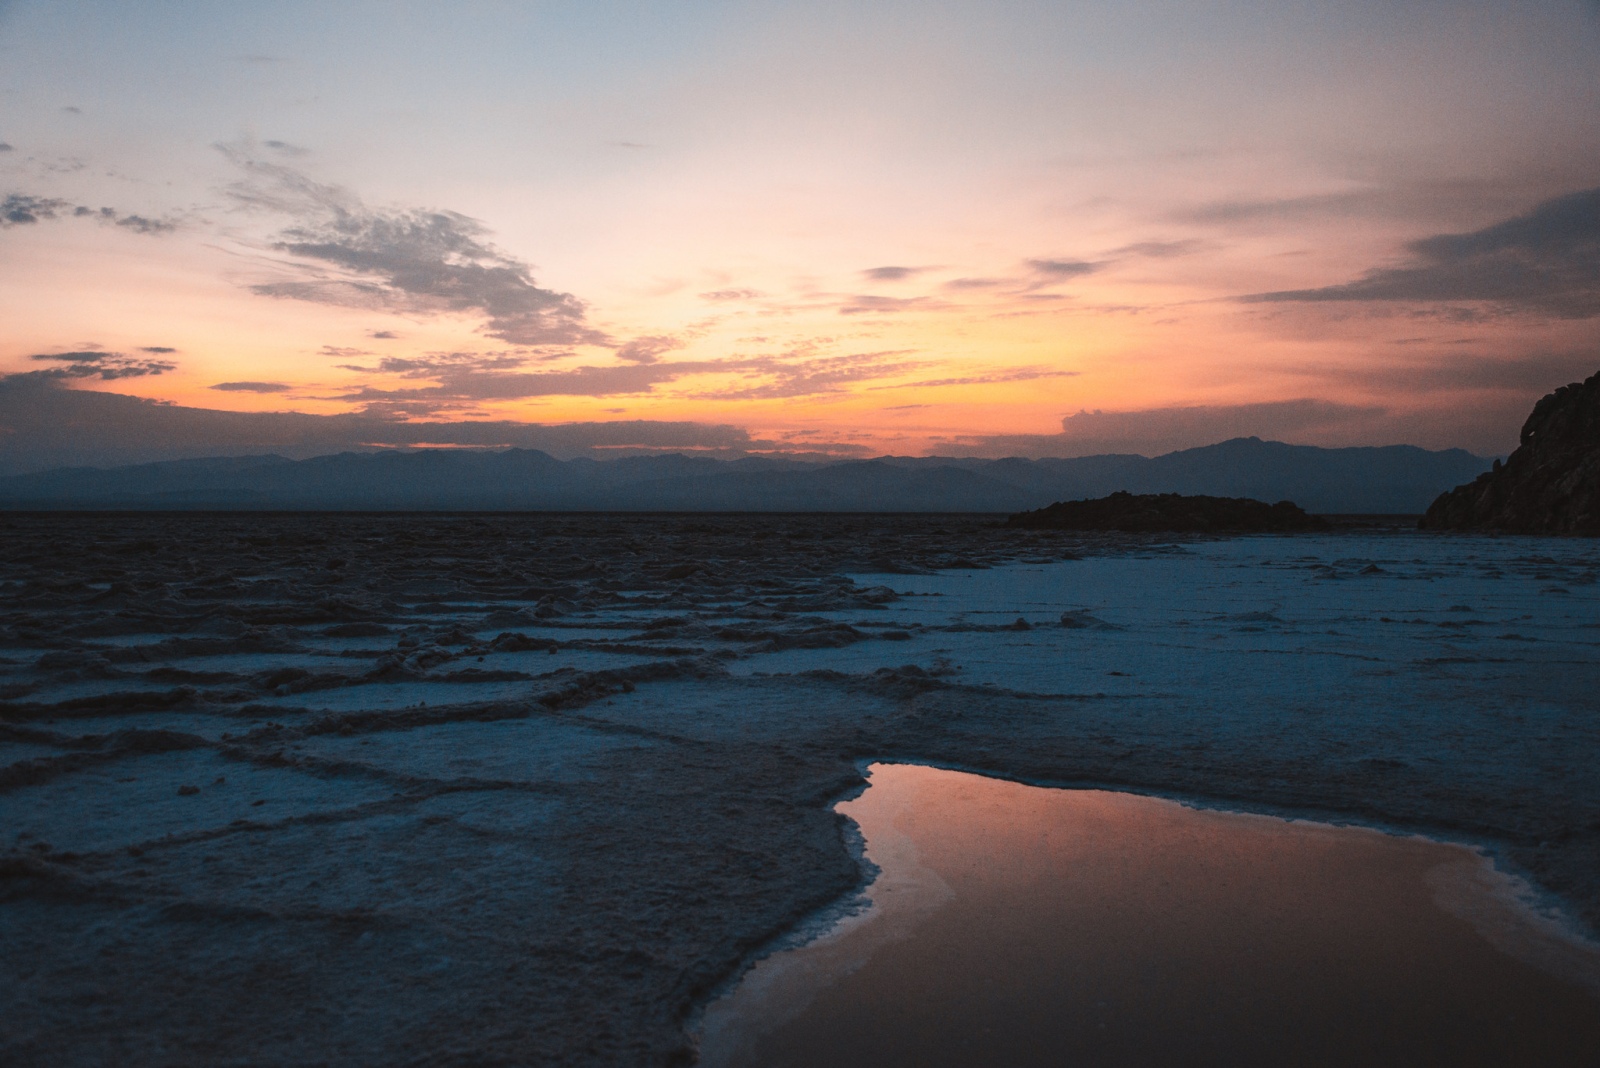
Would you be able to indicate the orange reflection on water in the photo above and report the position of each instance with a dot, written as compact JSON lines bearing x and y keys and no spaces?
{"x":1019,"y":925}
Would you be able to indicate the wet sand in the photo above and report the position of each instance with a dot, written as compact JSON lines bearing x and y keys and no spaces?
{"x":1016,"y":925}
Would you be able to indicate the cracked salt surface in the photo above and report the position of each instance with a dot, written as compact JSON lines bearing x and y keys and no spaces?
{"x":1010,"y":924}
{"x":559,"y":868}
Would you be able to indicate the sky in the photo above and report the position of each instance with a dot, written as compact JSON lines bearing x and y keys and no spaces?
{"x":1009,"y":227}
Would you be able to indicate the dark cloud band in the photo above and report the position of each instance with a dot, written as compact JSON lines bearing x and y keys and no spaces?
{"x":1545,"y":261}
{"x":106,"y":366}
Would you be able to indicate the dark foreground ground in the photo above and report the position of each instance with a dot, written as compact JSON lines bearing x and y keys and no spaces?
{"x":297,"y":789}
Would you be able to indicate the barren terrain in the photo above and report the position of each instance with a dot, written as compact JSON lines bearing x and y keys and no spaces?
{"x":433,"y":789}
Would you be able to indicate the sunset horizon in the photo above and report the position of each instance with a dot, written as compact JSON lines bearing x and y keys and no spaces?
{"x":799,"y":533}
{"x":914,"y":231}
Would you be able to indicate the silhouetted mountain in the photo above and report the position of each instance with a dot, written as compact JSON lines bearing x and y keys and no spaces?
{"x":1549,"y":485}
{"x":1396,"y":479}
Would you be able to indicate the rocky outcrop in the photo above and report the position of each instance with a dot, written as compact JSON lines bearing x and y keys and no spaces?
{"x":1168,"y":512}
{"x":1549,"y":485}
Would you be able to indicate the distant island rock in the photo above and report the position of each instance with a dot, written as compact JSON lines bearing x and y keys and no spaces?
{"x":1549,"y":485}
{"x":1168,"y":512}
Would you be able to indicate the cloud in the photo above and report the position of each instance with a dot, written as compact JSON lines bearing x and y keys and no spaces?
{"x":137,"y":223}
{"x":1063,"y":269}
{"x":1546,"y":260}
{"x":461,"y":380}
{"x":344,"y":353}
{"x":648,"y":349}
{"x":1406,"y":200}
{"x":383,"y":335}
{"x":723,"y":295}
{"x":1154,"y":431}
{"x":892,"y":274}
{"x":5,"y":147}
{"x":43,"y":425}
{"x":811,"y":376}
{"x":106,"y":366}
{"x":1279,"y":208}
{"x":286,"y":148}
{"x":1018,"y":374}
{"x":1452,"y":373}
{"x":1483,"y":419}
{"x":434,"y":364}
{"x":975,"y":283}
{"x":252,"y":387}
{"x":406,"y":259}
{"x":865,"y":305}
{"x":158,"y":350}
{"x":1161,"y":250}
{"x":1165,"y":429}
{"x":20,"y":209}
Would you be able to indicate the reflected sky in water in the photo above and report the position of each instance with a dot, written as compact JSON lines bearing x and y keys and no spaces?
{"x":1018,"y":925}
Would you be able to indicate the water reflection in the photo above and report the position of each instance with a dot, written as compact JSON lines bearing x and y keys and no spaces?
{"x":1024,"y":926}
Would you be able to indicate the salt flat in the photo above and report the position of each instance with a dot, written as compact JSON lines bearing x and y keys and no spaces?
{"x":509,"y":789}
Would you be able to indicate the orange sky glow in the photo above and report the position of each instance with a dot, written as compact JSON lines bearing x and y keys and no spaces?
{"x":953,"y":233}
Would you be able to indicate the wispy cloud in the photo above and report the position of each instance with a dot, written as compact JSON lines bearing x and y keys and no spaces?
{"x":1546,"y":260}
{"x":1015,"y":374}
{"x":802,"y":375}
{"x":1162,"y":250}
{"x":459,"y":381}
{"x":97,"y":364}
{"x":648,"y":349}
{"x":252,"y":387}
{"x":1223,"y":212}
{"x":139,"y":224}
{"x":893,"y":274}
{"x":1153,"y":431}
{"x":1061,"y":270}
{"x":1452,"y":372}
{"x":56,"y":426}
{"x":405,"y":259}
{"x":22,"y":209}
{"x":865,"y":304}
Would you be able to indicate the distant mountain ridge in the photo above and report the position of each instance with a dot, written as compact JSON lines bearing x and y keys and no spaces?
{"x":1398,"y":479}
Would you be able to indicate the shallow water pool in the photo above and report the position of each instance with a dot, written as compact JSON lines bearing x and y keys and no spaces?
{"x":1018,"y":925}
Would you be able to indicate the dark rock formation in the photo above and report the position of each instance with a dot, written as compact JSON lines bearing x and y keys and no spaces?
{"x":1550,"y":485}
{"x":1168,"y":511}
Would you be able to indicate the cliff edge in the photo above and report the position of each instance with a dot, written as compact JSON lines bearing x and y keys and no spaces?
{"x":1549,"y":485}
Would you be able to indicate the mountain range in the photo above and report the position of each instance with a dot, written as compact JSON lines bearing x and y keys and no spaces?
{"x":1396,"y":479}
